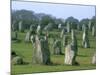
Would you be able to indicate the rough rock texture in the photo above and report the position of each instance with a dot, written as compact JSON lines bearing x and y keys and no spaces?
{"x":71,"y":51}
{"x":27,"y":37}
{"x":41,"y":54}
{"x":85,"y":41}
{"x":38,"y":29}
{"x":57,"y":47}
{"x":90,"y":26}
{"x":17,"y":60}
{"x":94,"y":31}
{"x":69,"y":55}
{"x":68,"y":27}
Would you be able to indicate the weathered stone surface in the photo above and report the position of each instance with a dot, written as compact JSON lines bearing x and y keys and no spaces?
{"x":85,"y":41}
{"x":13,"y":26}
{"x":74,"y":40}
{"x":48,"y":27}
{"x":94,"y":59}
{"x":59,"y":26}
{"x":57,"y":47}
{"x":62,"y":33}
{"x":70,"y":55}
{"x":27,"y":37}
{"x":90,"y":26}
{"x":94,"y":31}
{"x":38,"y":29}
{"x":41,"y":54}
{"x":17,"y":60}
{"x":71,"y":51}
{"x":68,"y":27}
{"x":31,"y":28}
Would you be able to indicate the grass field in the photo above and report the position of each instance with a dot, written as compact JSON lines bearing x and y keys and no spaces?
{"x":25,"y":50}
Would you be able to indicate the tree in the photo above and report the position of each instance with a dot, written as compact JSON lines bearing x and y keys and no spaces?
{"x":73,"y":22}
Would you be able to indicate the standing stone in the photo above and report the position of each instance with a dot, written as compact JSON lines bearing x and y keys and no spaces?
{"x":62,"y":33}
{"x":57,"y":47}
{"x":38,"y":29}
{"x":85,"y":41}
{"x":71,"y":51}
{"x":31,"y":28}
{"x":90,"y":26}
{"x":74,"y":40}
{"x":17,"y":60}
{"x":48,"y":27}
{"x":21,"y":27}
{"x":93,"y":31}
{"x":14,"y":35}
{"x":68,"y":27}
{"x":59,"y":26}
{"x":41,"y":54}
{"x":79,"y":27}
{"x":13,"y":26}
{"x":27,"y":37}
{"x":83,"y":27}
{"x":94,"y":59}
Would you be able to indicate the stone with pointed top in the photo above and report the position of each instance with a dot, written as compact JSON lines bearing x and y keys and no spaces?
{"x":41,"y":54}
{"x":71,"y":51}
{"x":85,"y":41}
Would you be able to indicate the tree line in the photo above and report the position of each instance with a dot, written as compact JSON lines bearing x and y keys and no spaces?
{"x":29,"y":18}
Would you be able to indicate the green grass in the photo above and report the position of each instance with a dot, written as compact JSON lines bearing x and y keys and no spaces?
{"x":25,"y":50}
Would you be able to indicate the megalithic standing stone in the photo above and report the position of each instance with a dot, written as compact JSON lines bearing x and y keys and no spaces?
{"x":62,"y":33}
{"x":31,"y":28}
{"x":14,"y":35}
{"x":74,"y":40}
{"x":71,"y":51}
{"x":38,"y":29}
{"x":27,"y":37}
{"x":59,"y":26}
{"x":21,"y":27}
{"x":94,"y":30}
{"x":85,"y":41}
{"x":68,"y":27}
{"x":90,"y":26}
{"x":41,"y":54}
{"x":94,"y":59}
{"x":13,"y":26}
{"x":57,"y":47}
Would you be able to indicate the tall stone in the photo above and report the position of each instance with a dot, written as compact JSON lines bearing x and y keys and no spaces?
{"x":41,"y":54}
{"x":94,"y":59}
{"x":17,"y":60}
{"x":90,"y":25}
{"x":13,"y":26}
{"x":71,"y":51}
{"x":31,"y":28}
{"x":59,"y":26}
{"x":38,"y":29}
{"x":94,"y":30}
{"x":68,"y":27}
{"x":21,"y":27}
{"x":74,"y":40}
{"x":27,"y":37}
{"x":62,"y":33}
{"x":57,"y":47}
{"x":14,"y":35}
{"x":85,"y":41}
